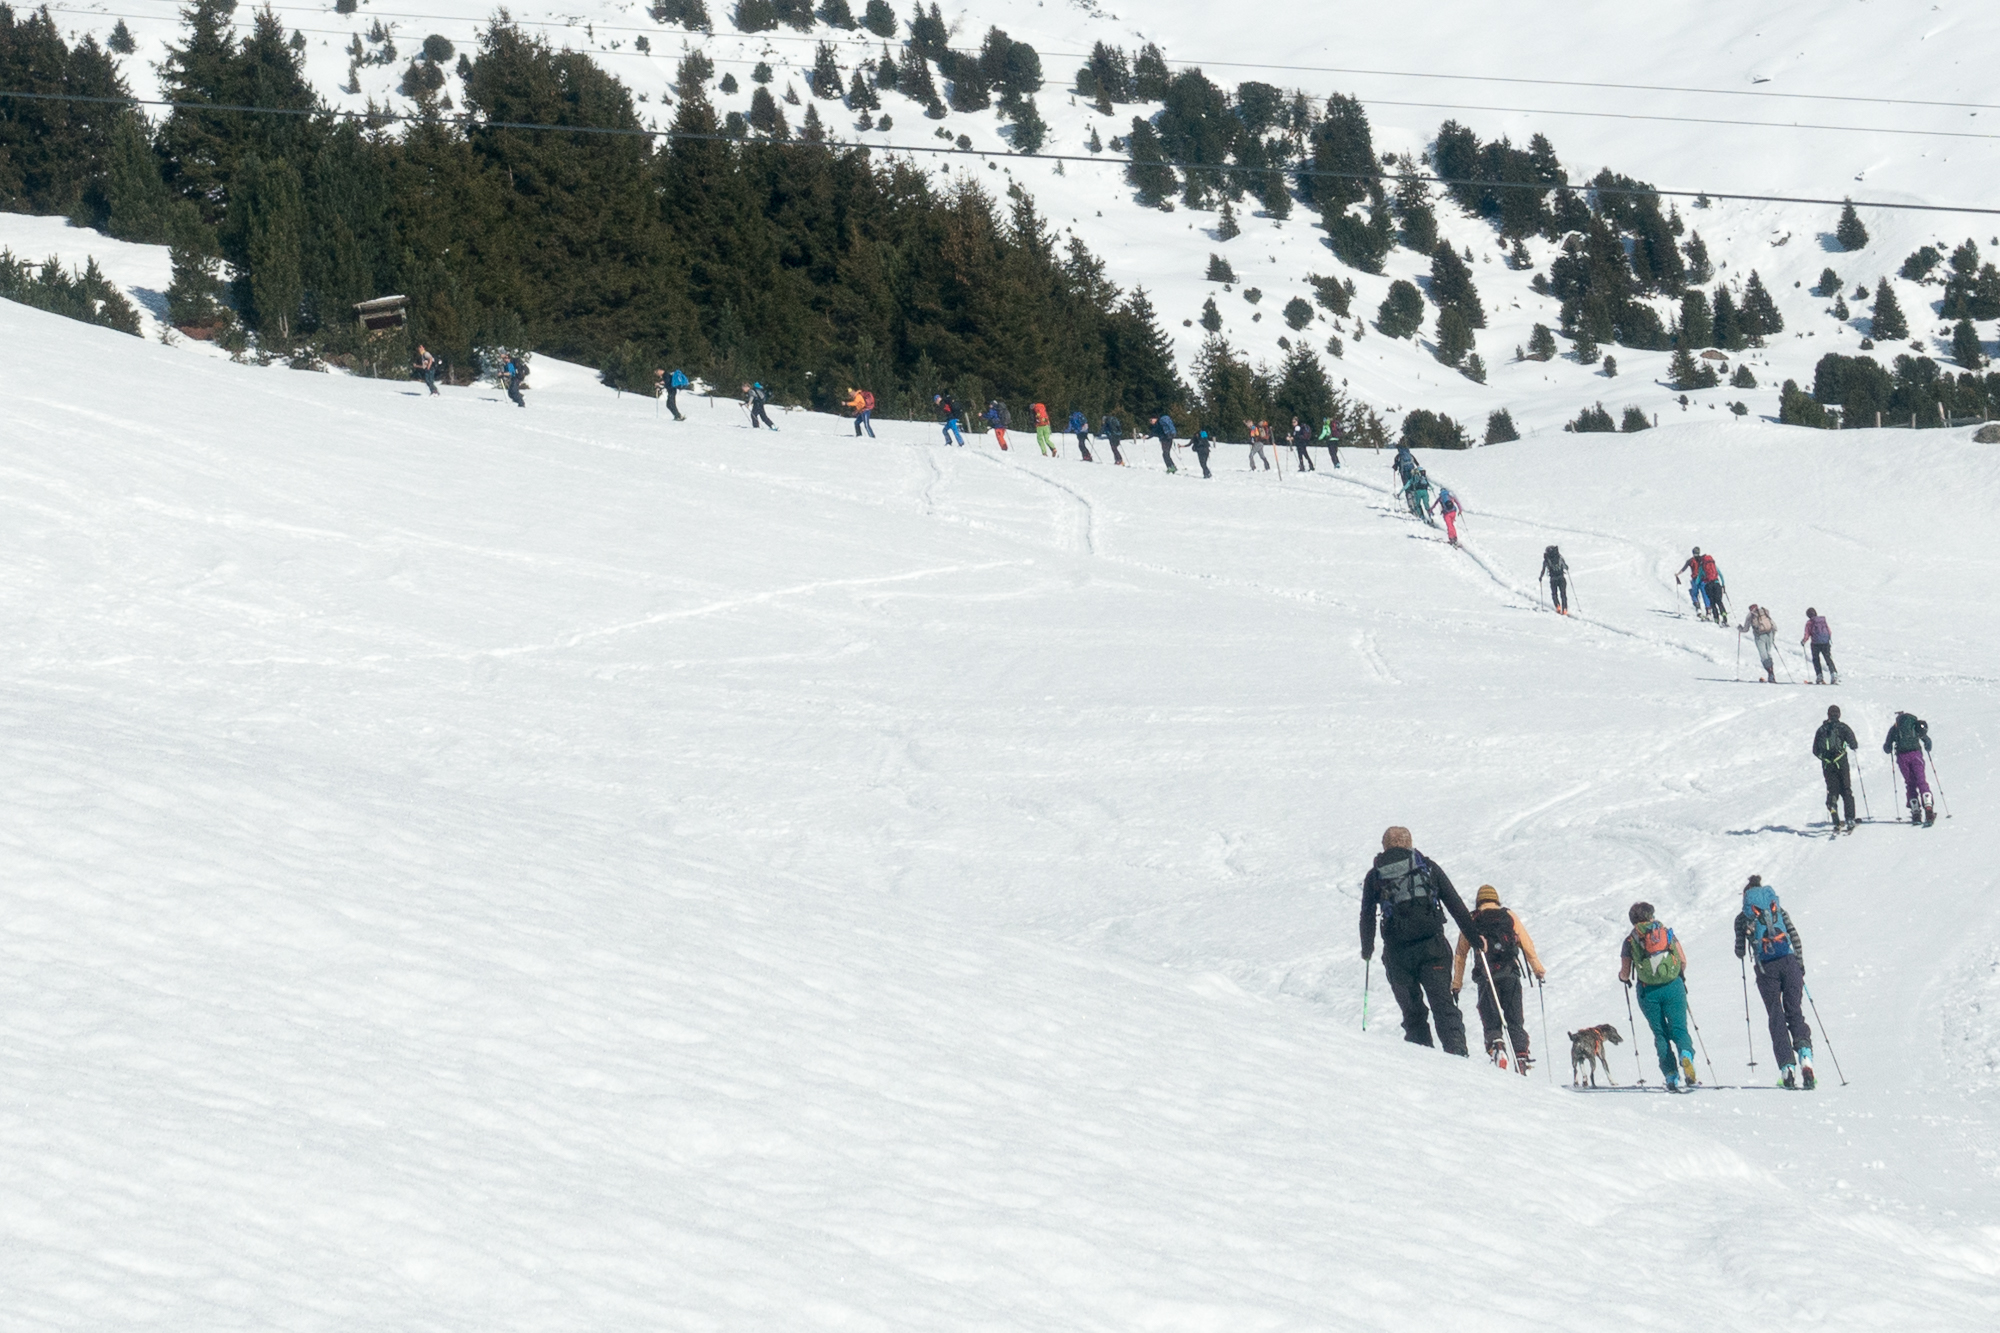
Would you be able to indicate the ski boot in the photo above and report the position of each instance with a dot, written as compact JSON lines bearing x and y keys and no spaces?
{"x":1497,"y":1052}
{"x":1687,"y":1070}
{"x":1806,"y":1079}
{"x":1916,"y":813}
{"x":1930,"y":811}
{"x":1524,"y":1064}
{"x":1790,"y":1078}
{"x":1850,"y":826}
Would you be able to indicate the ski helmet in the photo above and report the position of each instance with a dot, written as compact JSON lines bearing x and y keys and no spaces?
{"x":1697,"y":550}
{"x":1811,"y":612}
{"x":1833,"y":713}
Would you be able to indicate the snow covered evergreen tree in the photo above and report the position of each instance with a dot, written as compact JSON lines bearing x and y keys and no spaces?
{"x":1887,"y":323}
{"x":1849,"y":232}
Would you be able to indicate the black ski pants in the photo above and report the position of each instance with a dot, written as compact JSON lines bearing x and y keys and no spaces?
{"x":1167,"y":453}
{"x":1782,"y":984}
{"x":759,"y":417}
{"x":1305,"y":459}
{"x":1839,"y":785}
{"x":1507,"y":985}
{"x":1201,"y":455}
{"x":1559,"y":593}
{"x":1419,"y":971}
{"x":1083,"y":446}
{"x":1716,"y":601}
{"x":673,"y":403}
{"x":1819,"y":651}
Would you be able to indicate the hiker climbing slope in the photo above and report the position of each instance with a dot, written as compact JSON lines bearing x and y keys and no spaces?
{"x":1909,"y":740}
{"x":1830,"y":745}
{"x":1764,"y":929}
{"x":1556,"y":570}
{"x":1653,"y":958}
{"x":1412,"y":894}
{"x":1502,"y":942}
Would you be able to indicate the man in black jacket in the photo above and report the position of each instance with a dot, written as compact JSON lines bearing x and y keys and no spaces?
{"x":1830,"y":746}
{"x":1412,"y":895}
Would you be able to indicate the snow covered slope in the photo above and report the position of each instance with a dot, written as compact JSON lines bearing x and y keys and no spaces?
{"x":1821,"y":98}
{"x":479,"y":869}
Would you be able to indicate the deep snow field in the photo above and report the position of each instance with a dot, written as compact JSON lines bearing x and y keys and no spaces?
{"x":475,"y":869}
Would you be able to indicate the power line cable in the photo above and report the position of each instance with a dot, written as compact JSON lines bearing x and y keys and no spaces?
{"x":469,"y":124}
{"x":844,"y":37}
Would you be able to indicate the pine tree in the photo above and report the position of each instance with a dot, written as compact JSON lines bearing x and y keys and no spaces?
{"x":1611,"y":367}
{"x":1634,"y":421}
{"x":1451,"y":286}
{"x":1697,"y":323}
{"x":275,"y":225}
{"x":121,"y":41}
{"x":1402,"y":311}
{"x":1828,"y":284}
{"x":860,"y":97}
{"x":1593,"y":420}
{"x":836,"y":14}
{"x":136,"y":204}
{"x":1965,"y":348}
{"x":1541,"y":344}
{"x":1584,"y":346}
{"x":825,"y":77}
{"x":1225,"y":226}
{"x":766,"y":115}
{"x":1030,"y":130}
{"x":810,"y":129}
{"x":1743,"y":378}
{"x":1729,"y":331}
{"x":1304,"y":391}
{"x":1211,"y":318}
{"x":1887,"y":324}
{"x":1096,"y":145}
{"x":1500,"y":427}
{"x":1474,"y":369}
{"x":1850,"y":233}
{"x":1149,"y":75}
{"x":1148,"y":172}
{"x":1219,"y":270}
{"x":879,"y":18}
{"x":1454,"y":335}
{"x":1413,"y":204}
{"x":1760,"y":312}
{"x":1840,"y":310}
{"x":1699,"y":267}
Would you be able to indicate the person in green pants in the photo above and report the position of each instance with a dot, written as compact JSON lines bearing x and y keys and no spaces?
{"x":1653,"y":958}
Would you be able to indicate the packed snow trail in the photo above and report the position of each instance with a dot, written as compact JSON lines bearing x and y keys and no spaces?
{"x":481,"y":869}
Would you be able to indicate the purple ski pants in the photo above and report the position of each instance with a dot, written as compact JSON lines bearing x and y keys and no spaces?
{"x":1912,"y":764}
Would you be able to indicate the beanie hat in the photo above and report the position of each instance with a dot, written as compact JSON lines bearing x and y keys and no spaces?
{"x":1641,"y":912}
{"x":1395,"y":836}
{"x":1833,"y":711}
{"x":1756,"y":881}
{"x":1487,"y":894}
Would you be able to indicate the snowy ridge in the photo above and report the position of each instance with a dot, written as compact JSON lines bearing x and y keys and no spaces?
{"x":1714,"y":77}
{"x":483,"y":869}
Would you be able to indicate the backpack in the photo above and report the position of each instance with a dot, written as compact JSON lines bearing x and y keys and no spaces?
{"x":1411,"y":909}
{"x":1495,"y":926}
{"x":1553,"y":562}
{"x":1767,"y":925}
{"x":1166,"y":426}
{"x":678,"y":380}
{"x":1708,"y":573}
{"x":1829,"y":746}
{"x":1652,"y":950}
{"x":867,"y":401}
{"x":1908,"y":733}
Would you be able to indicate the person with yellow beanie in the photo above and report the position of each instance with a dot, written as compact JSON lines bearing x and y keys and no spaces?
{"x":1504,"y":946}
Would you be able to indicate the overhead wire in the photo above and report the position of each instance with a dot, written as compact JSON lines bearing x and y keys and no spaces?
{"x":474,"y":123}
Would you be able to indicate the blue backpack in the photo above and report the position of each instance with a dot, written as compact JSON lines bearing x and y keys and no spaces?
{"x":1767,"y":924}
{"x":678,"y":380}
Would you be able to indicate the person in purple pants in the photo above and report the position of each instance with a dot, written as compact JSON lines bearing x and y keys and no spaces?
{"x":1909,"y":740}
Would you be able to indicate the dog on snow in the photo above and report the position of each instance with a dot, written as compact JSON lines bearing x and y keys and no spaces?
{"x":1586,"y":1052}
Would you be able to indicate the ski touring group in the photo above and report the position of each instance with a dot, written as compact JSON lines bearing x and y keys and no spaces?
{"x":1408,"y":901}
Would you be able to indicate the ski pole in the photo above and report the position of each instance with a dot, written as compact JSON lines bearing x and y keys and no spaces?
{"x":1865,"y":809}
{"x":1367,"y":971}
{"x":1700,"y":1042}
{"x":1493,"y":994}
{"x":1549,"y":1064}
{"x":1749,"y":1033}
{"x":1938,"y":778}
{"x":1632,"y":1026}
{"x":1824,"y":1033}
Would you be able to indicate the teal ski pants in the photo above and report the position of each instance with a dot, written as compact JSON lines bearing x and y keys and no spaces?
{"x":1666,"y":1011}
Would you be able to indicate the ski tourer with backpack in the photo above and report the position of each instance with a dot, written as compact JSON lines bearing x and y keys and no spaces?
{"x":1765,"y":933}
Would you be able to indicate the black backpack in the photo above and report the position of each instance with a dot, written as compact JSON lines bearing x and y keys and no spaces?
{"x":1411,"y":908}
{"x":1495,"y":928}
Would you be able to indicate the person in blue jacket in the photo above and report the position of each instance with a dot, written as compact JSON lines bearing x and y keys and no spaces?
{"x":1079,"y":426}
{"x":1163,"y":431}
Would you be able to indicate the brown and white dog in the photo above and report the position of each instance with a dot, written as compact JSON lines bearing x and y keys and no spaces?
{"x":1586,"y":1052}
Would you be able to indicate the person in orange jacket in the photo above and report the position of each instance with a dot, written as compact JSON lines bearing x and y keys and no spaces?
{"x":1048,"y":445}
{"x":1504,"y":944}
{"x":863,"y":403}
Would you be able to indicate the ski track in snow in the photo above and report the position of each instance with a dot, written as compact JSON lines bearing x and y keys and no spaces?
{"x":559,"y":869}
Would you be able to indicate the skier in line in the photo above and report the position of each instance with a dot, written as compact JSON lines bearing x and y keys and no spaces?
{"x":1114,"y":433}
{"x":1079,"y":426}
{"x":1405,"y":463}
{"x":1256,"y":447}
{"x":949,"y":411}
{"x":1448,"y":506}
{"x":512,"y":374}
{"x":1413,"y":894}
{"x":1909,"y":740}
{"x":1556,"y":570}
{"x":1504,"y":943}
{"x":1764,"y":925}
{"x":1163,"y":431}
{"x":1417,"y":494}
{"x":998,"y":417}
{"x":1764,"y":631}
{"x":1708,"y":580}
{"x":756,"y":396}
{"x":1830,"y":745}
{"x":1302,"y":436}
{"x":427,"y":369}
{"x":863,"y":403}
{"x":1652,"y":957}
{"x":1820,"y":635}
{"x":1329,"y":435}
{"x":669,"y":386}
{"x":1202,"y":444}
{"x":1042,"y":440}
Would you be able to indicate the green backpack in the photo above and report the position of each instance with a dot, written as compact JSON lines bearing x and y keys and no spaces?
{"x":1652,"y":949}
